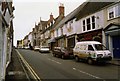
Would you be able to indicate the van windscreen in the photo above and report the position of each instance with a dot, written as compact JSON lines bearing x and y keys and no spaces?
{"x":100,"y":47}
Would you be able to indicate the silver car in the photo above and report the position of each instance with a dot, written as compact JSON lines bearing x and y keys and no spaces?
{"x":44,"y":49}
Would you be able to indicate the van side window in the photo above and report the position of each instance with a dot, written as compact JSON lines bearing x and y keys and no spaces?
{"x":90,"y":48}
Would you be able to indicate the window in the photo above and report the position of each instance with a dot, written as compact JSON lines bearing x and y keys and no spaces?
{"x":90,"y":48}
{"x":93,"y":22}
{"x":57,"y":32}
{"x":88,"y":24}
{"x":61,"y":31}
{"x":114,"y":11}
{"x":100,"y":47}
{"x":111,"y":15}
{"x":83,"y":25}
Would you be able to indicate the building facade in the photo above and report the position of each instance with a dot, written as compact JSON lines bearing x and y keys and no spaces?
{"x":6,"y":35}
{"x":112,"y":28}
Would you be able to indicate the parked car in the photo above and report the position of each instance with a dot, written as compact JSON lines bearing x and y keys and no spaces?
{"x":62,"y":52}
{"x":26,"y":47}
{"x":36,"y":48}
{"x":91,"y":51}
{"x":44,"y":49}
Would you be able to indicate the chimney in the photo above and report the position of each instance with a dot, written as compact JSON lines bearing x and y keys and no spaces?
{"x":61,"y":9}
{"x":51,"y":17}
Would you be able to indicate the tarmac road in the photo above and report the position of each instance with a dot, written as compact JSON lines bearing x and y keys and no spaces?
{"x":48,"y":67}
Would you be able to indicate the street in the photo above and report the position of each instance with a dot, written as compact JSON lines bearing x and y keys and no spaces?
{"x":48,"y":67}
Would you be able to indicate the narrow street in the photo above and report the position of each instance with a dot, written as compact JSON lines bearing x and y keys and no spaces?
{"x":48,"y":67}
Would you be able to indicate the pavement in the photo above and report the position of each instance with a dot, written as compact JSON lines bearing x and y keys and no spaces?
{"x":17,"y":71}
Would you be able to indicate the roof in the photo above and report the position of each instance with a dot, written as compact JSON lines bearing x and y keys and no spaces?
{"x":88,"y":42}
{"x":83,"y":10}
{"x":44,"y":23}
{"x":70,"y":16}
{"x":91,"y":7}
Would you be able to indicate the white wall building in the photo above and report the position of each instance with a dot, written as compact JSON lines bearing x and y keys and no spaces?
{"x":6,"y":36}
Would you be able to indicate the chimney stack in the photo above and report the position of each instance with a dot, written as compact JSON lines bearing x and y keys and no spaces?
{"x":51,"y":17}
{"x":61,"y":9}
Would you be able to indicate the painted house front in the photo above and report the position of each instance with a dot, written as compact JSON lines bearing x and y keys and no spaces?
{"x":112,"y":28}
{"x":6,"y":36}
{"x":90,"y":27}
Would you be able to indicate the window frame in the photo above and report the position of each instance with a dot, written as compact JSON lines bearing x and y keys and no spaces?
{"x":114,"y":9}
{"x":90,"y":23}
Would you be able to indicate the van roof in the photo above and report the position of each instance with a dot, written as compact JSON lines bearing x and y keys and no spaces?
{"x":88,"y":42}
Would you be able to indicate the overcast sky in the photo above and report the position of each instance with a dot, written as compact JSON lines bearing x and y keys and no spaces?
{"x":28,"y":12}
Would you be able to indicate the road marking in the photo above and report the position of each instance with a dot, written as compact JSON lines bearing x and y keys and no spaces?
{"x":54,"y":61}
{"x":87,"y":74}
{"x":36,"y":77}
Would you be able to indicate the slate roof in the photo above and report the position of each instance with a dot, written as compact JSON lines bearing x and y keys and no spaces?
{"x":83,"y":10}
{"x":91,"y":7}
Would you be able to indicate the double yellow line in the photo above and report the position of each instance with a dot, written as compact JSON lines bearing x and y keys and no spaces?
{"x":36,"y":77}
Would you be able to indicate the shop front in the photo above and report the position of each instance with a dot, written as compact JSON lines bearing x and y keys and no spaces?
{"x":61,"y":41}
{"x":95,"y":35}
{"x":112,"y":36}
{"x":71,"y":41}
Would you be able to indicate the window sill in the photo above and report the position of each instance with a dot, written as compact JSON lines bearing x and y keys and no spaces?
{"x":113,"y":18}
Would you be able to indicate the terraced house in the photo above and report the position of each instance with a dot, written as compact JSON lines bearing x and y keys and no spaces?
{"x":6,"y":35}
{"x":97,"y":21}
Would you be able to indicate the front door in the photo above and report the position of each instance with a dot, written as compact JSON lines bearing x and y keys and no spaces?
{"x":116,"y":46}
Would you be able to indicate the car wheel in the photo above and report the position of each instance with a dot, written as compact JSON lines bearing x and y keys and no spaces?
{"x":90,"y":61}
{"x":77,"y":59}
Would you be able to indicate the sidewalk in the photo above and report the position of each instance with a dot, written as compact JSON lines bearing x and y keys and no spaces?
{"x":115,"y":62}
{"x":15,"y":70}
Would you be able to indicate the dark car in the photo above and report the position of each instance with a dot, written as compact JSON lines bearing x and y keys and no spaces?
{"x":62,"y":52}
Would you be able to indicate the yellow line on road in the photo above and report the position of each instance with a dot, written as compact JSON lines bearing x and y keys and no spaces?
{"x":29,"y":67}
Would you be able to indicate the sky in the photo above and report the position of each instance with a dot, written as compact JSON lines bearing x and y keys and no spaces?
{"x":29,"y":12}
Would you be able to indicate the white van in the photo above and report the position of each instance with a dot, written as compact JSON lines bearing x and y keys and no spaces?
{"x":91,"y":51}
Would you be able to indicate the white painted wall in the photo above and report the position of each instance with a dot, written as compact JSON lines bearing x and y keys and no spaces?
{"x":99,"y":20}
{"x":7,"y":16}
{"x":30,"y":38}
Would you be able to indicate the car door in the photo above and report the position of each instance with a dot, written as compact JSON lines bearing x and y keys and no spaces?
{"x":90,"y":52}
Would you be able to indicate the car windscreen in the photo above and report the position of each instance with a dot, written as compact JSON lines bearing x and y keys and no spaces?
{"x":100,"y":47}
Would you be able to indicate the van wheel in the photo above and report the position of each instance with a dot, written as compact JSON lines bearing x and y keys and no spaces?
{"x":90,"y":61}
{"x":77,"y":59}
